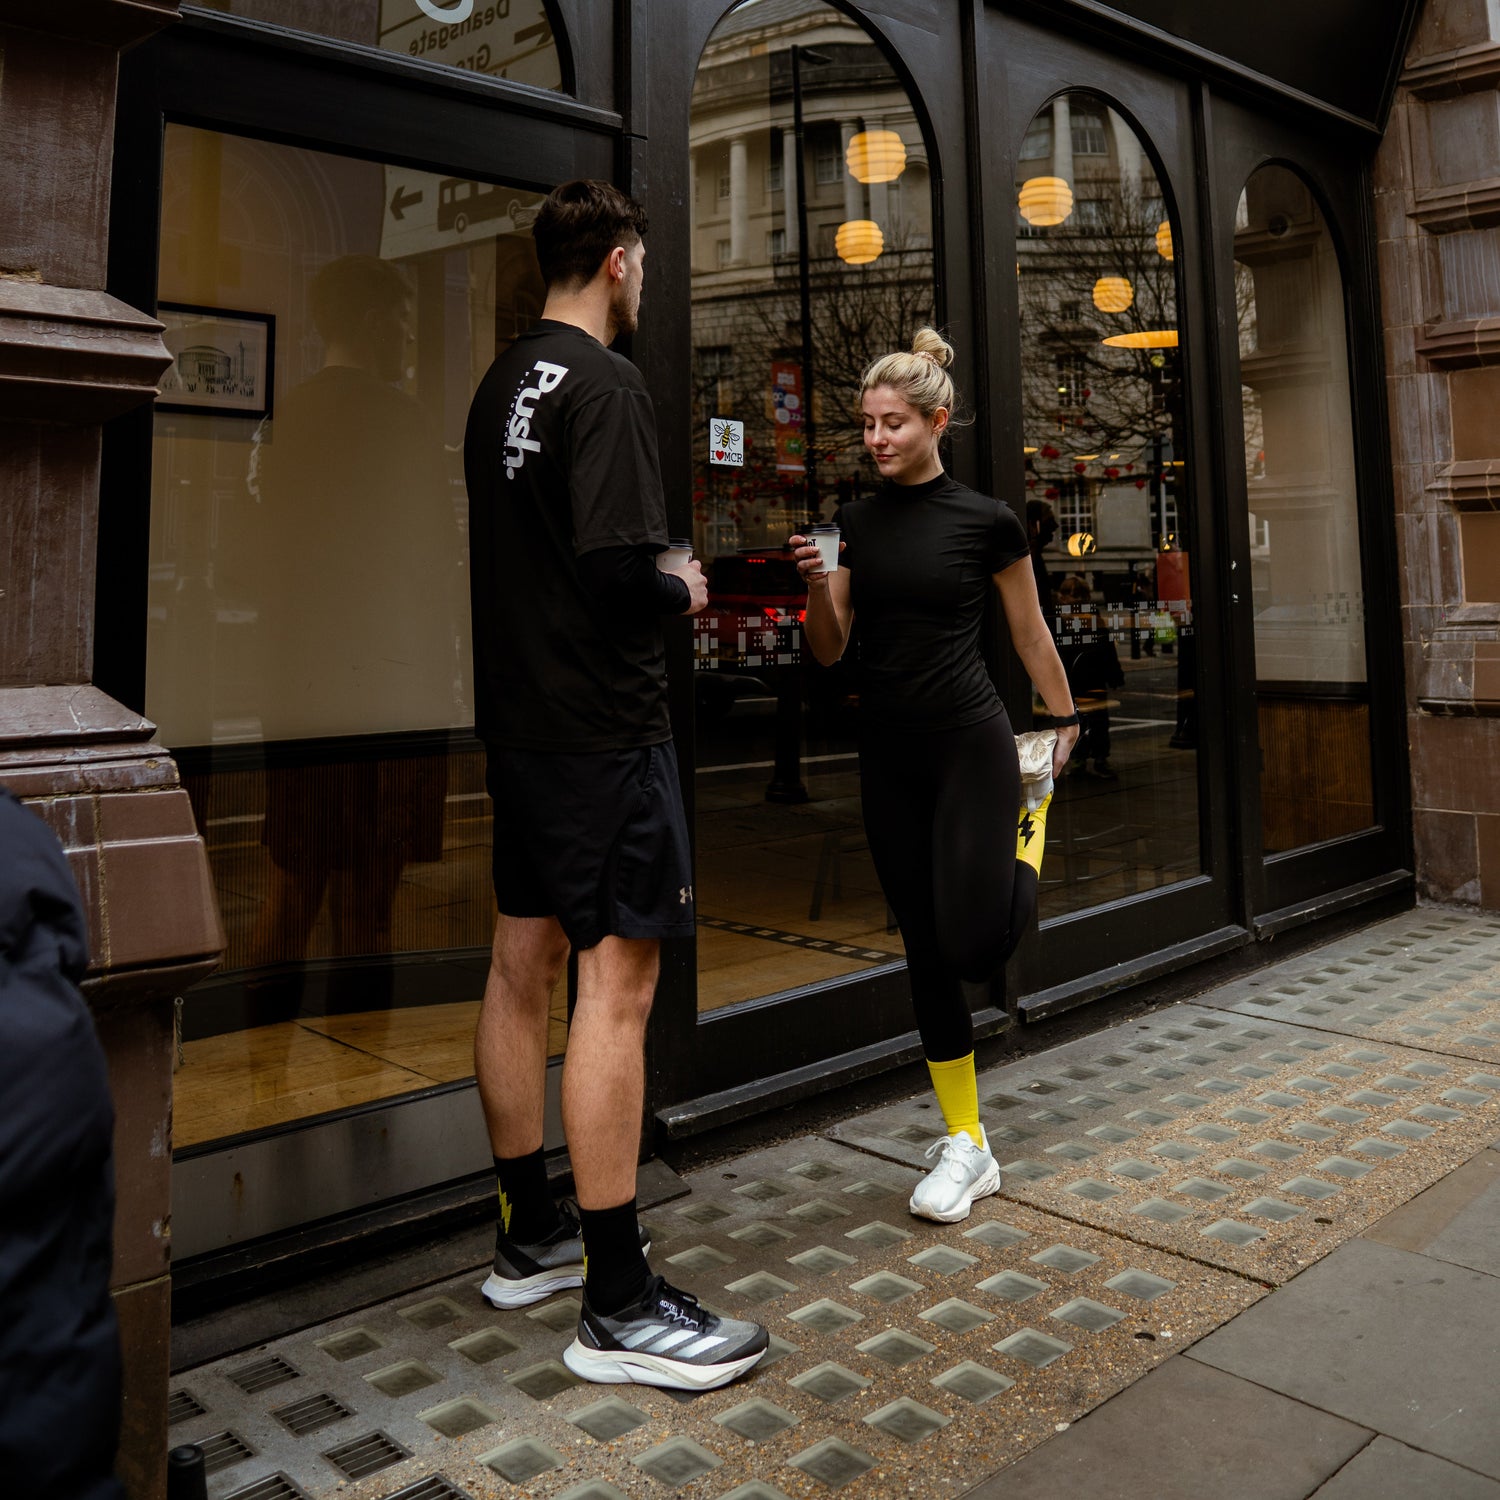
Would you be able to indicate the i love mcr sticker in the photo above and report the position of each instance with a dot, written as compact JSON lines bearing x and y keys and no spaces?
{"x":726,"y":442}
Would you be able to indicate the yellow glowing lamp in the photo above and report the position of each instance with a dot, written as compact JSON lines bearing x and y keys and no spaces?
{"x":1144,"y":338}
{"x":859,"y":241}
{"x":875,"y":156}
{"x":1045,"y":200}
{"x":1081,"y":544}
{"x":1113,"y":294}
{"x":1164,"y":240}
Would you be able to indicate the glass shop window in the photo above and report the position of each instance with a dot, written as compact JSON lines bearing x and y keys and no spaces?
{"x":787,"y":895}
{"x":1108,"y":475}
{"x":308,"y":634}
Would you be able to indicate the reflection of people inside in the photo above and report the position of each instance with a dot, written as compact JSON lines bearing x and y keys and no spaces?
{"x":1093,"y":668}
{"x":939,"y":774}
{"x":350,"y":470}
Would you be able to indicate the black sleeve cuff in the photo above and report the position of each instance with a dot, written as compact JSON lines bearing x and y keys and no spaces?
{"x":627,"y":578}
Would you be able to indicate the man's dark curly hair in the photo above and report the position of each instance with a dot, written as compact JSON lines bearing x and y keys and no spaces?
{"x":578,"y":225}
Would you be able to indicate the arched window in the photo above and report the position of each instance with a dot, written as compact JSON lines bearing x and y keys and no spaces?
{"x":1108,"y":484}
{"x":806,"y":264}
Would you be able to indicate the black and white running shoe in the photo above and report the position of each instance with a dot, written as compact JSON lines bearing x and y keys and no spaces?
{"x":665,"y":1339}
{"x":524,"y":1274}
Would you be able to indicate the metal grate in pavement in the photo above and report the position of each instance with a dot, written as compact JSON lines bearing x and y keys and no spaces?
{"x":311,"y":1414}
{"x":431,"y":1487}
{"x":181,"y":1405}
{"x":366,"y":1455}
{"x":222,"y":1450}
{"x":262,"y":1374}
{"x":272,"y":1487}
{"x":1251,"y":1145}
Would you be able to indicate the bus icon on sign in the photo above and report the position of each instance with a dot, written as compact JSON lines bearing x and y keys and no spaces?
{"x":461,"y":203}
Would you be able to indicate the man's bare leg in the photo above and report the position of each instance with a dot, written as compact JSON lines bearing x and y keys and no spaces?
{"x":536,"y":1248}
{"x":604,"y":1076}
{"x":510,"y":1041}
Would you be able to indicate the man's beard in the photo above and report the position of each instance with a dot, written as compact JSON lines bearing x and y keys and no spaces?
{"x":623,"y":318}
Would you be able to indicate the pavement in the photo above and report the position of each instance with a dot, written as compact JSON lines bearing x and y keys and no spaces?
{"x":1247,"y":1246}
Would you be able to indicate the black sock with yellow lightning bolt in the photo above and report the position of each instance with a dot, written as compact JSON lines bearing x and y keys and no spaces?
{"x":527,"y":1213}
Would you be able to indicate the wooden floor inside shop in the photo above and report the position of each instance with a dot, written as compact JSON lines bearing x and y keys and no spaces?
{"x":268,"y":1075}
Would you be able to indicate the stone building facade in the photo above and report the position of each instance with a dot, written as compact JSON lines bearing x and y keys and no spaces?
{"x":1437,"y":206}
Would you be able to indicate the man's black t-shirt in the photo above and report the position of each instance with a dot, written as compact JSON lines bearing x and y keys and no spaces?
{"x":560,"y":458}
{"x":920,"y":559}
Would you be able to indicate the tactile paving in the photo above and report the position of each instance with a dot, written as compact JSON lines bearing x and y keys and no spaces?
{"x":1251,"y":1144}
{"x":893,"y":1337}
{"x":1428,"y":979}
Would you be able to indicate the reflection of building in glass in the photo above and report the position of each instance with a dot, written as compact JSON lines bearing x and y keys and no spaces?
{"x":1102,"y":396}
{"x":866,"y":260}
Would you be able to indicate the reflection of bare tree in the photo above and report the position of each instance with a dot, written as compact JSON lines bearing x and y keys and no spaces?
{"x":1079,"y":392}
{"x":858,"y":313}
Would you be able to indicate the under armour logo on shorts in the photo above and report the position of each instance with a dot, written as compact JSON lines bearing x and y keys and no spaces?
{"x":684,"y":894}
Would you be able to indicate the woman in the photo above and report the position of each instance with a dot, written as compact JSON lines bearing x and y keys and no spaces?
{"x":938,"y":768}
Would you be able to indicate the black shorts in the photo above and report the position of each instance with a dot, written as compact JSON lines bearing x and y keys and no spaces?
{"x":597,"y":840}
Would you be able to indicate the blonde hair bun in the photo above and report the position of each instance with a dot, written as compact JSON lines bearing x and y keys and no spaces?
{"x":932,"y":345}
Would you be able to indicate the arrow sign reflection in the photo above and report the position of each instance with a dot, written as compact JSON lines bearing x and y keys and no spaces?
{"x":402,"y":201}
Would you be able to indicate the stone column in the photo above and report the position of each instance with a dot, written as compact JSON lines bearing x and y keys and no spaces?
{"x":72,"y":357}
{"x":1128,"y":155}
{"x":789,"y":186}
{"x":880,"y":196}
{"x":739,"y":201}
{"x":854,"y":193}
{"x":1062,"y":142}
{"x":1437,"y":198}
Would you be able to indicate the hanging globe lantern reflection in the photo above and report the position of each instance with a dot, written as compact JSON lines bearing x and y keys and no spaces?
{"x":1113,"y":294}
{"x":1164,"y":240}
{"x":1044,"y":201}
{"x":859,"y":241}
{"x":875,"y":156}
{"x":1081,"y":544}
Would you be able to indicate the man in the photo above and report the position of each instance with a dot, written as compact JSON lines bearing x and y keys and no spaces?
{"x":590,"y":843}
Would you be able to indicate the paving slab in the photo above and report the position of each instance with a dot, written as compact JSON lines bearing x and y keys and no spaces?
{"x":1457,"y":1219}
{"x":1391,"y":1340}
{"x":1256,"y":1146}
{"x":907,"y":1356}
{"x":1186,"y":1433}
{"x":1429,"y":978}
{"x":1388,"y":1470}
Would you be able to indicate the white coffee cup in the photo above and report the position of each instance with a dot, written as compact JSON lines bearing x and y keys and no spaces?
{"x":678,"y":554}
{"x":825,"y":537}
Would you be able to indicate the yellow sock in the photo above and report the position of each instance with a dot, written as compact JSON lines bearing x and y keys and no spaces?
{"x":1031,"y":835}
{"x":957,"y":1092}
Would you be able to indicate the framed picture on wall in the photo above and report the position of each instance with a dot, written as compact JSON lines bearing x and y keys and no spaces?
{"x":223,"y":362}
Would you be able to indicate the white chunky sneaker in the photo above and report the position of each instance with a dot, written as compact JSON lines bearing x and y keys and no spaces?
{"x":966,"y":1170}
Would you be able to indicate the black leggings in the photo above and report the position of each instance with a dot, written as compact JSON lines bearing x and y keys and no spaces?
{"x":940,"y":813}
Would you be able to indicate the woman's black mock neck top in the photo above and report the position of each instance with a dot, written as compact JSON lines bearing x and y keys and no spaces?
{"x":921,"y":558}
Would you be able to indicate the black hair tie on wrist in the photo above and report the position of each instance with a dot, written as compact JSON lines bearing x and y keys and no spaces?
{"x":1066,"y":721}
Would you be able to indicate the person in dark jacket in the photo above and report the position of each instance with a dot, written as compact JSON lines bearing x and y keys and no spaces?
{"x":59,"y":1345}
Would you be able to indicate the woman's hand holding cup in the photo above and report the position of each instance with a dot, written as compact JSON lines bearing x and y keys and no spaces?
{"x":817,"y":554}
